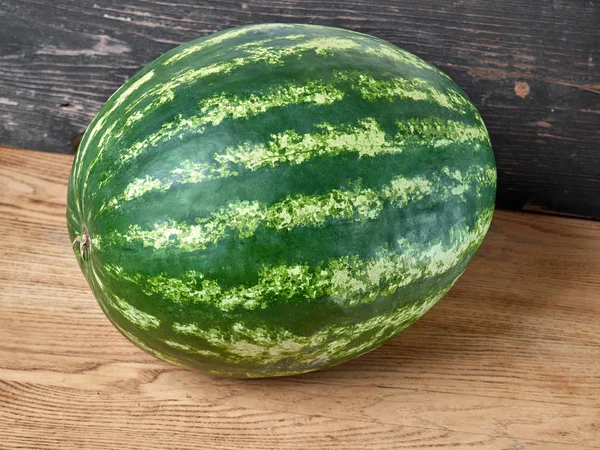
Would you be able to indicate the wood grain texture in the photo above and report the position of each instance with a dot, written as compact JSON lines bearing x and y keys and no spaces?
{"x":509,"y":359}
{"x":529,"y":66}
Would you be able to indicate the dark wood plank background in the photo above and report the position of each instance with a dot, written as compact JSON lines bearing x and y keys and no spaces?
{"x":530,"y":66}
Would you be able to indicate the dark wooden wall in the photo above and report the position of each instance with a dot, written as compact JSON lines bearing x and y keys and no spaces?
{"x":531,"y":67}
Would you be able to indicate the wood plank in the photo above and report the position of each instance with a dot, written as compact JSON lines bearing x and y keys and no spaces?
{"x":507,"y":360}
{"x":531,"y":69}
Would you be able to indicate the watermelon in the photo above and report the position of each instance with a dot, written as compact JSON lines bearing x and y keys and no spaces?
{"x":275,"y":199}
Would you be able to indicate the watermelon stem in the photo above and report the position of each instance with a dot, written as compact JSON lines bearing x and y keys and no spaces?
{"x":84,"y":242}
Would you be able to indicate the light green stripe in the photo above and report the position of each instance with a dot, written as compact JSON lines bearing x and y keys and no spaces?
{"x":96,"y":277}
{"x":355,"y":204}
{"x":190,"y":349}
{"x":366,"y":138}
{"x":348,"y":280}
{"x":222,"y":37}
{"x":263,"y":43}
{"x":436,"y":132}
{"x":416,"y":89}
{"x":139,"y":318}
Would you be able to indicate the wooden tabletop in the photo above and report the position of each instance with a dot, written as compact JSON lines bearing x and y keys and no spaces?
{"x":509,"y":359}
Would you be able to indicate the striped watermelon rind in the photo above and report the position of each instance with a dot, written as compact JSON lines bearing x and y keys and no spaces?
{"x":275,"y":199}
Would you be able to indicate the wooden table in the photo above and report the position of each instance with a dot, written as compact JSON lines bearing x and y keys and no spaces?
{"x":509,"y":359}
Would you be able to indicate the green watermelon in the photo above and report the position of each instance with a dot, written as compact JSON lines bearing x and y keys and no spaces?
{"x":275,"y":199}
